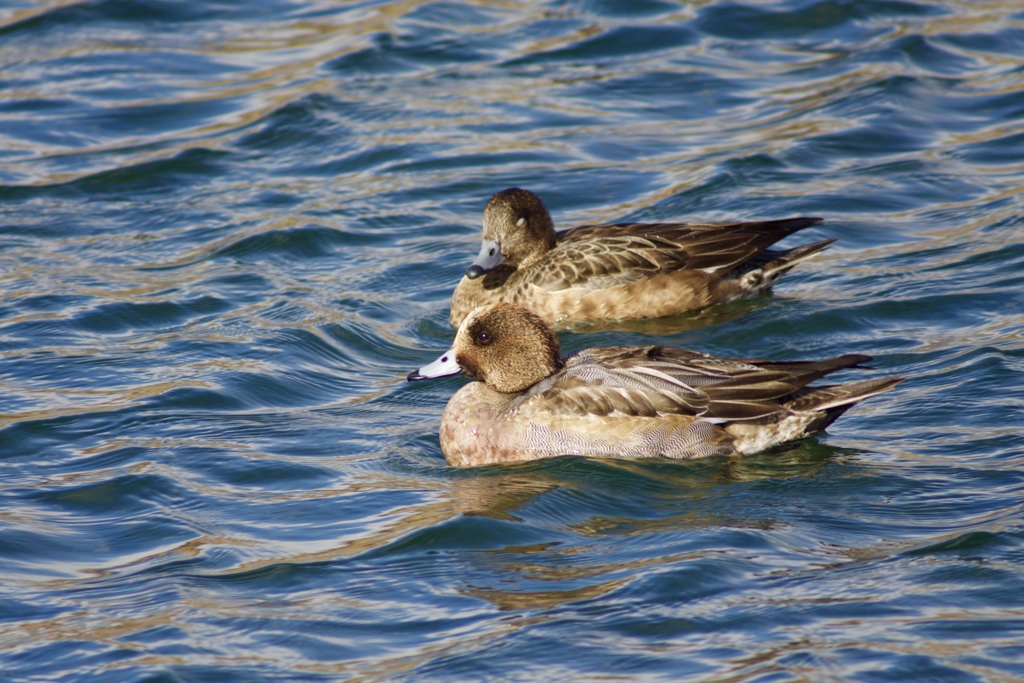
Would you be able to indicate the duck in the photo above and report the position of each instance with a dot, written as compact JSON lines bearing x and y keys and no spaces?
{"x":621,"y":271}
{"x":529,"y":402}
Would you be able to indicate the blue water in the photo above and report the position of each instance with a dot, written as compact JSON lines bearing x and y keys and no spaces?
{"x":229,"y":229}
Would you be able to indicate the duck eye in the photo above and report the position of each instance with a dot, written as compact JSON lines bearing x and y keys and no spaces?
{"x":483,"y":338}
{"x":521,"y":222}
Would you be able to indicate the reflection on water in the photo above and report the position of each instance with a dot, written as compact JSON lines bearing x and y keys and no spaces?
{"x":229,"y":231}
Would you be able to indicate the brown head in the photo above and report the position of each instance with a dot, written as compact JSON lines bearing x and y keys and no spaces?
{"x":505,"y":345}
{"x":517,"y":232}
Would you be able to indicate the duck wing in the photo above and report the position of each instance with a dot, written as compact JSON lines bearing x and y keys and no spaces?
{"x":652,"y":381}
{"x":599,"y":256}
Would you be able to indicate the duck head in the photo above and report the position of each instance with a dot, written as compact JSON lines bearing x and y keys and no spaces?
{"x":517,"y":231}
{"x":505,"y":345}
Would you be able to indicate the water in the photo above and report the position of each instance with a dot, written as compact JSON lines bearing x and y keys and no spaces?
{"x":228,"y":230}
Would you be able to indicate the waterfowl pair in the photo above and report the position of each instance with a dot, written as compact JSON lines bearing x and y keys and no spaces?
{"x":623,"y":401}
{"x":621,"y":271}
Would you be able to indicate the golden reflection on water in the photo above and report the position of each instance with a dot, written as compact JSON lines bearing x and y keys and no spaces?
{"x":286,"y":61}
{"x":84,"y":401}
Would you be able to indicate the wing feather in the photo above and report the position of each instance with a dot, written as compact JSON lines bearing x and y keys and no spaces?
{"x":654,"y":381}
{"x":599,"y":256}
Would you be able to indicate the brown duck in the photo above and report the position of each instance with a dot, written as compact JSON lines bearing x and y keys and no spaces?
{"x":622,"y":271}
{"x":623,"y":401}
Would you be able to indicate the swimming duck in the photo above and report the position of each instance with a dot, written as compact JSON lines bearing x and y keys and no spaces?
{"x":621,"y":271}
{"x":623,"y":401}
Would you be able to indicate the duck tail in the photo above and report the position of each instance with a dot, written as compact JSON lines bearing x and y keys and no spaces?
{"x":832,"y":401}
{"x":782,"y":261}
{"x":762,"y":272}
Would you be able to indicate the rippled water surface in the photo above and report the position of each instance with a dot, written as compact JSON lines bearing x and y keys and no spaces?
{"x":229,"y":229}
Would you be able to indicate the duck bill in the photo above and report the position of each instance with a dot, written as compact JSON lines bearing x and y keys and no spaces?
{"x":442,"y":367}
{"x":488,"y":259}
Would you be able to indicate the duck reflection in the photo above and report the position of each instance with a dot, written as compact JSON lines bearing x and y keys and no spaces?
{"x":570,"y":496}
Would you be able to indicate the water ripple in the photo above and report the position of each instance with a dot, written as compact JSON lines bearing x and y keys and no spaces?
{"x":228,"y":231}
